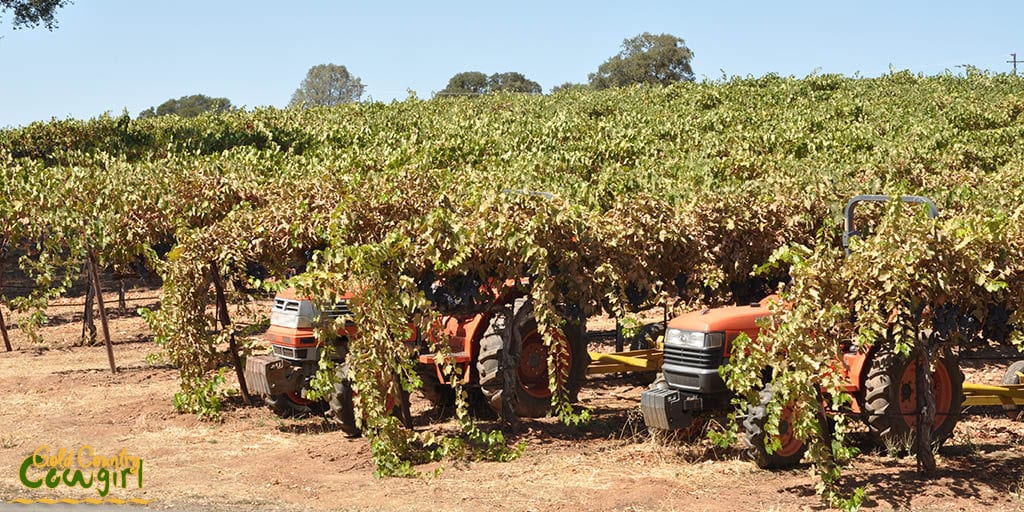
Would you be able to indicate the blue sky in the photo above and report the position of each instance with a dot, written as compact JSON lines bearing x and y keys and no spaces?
{"x":111,"y":55}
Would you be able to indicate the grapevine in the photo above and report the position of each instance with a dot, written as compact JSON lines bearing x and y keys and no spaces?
{"x":601,"y":201}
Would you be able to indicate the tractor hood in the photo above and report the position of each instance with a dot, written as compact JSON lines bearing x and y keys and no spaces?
{"x":290,"y":293}
{"x":728,"y":318}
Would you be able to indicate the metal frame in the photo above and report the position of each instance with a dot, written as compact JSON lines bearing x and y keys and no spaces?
{"x":983,"y":394}
{"x":851,"y":205}
{"x":648,"y":360}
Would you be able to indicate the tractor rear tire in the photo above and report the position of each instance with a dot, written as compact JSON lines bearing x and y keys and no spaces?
{"x":791,"y":449}
{"x":293,"y":405}
{"x":890,"y":400}
{"x":341,"y":404}
{"x":532,"y":396}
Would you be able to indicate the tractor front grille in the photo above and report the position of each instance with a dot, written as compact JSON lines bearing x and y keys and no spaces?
{"x":340,"y":309}
{"x":295,"y":354}
{"x":288,"y":305}
{"x":692,"y":357}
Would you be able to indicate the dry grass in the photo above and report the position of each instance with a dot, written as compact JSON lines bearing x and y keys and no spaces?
{"x":8,"y":441}
{"x":254,"y":460}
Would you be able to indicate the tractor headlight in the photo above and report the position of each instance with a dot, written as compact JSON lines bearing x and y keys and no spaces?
{"x":694,"y":339}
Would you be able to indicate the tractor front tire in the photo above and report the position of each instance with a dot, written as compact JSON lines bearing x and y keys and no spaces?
{"x":890,"y":398}
{"x":341,"y":404}
{"x":530,"y":377}
{"x":294,"y":405}
{"x":791,"y":448}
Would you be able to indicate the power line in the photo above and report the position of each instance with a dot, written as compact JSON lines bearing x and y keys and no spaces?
{"x":1014,"y":61}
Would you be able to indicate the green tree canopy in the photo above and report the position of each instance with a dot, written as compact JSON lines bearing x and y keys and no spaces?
{"x":567,"y":86}
{"x":475,"y":83}
{"x":188,"y":106}
{"x":32,"y":13}
{"x":646,"y":59}
{"x":512,"y":82}
{"x":327,"y":85}
{"x":466,"y":83}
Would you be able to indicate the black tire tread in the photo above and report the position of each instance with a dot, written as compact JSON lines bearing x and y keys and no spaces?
{"x":756,"y":436}
{"x":285,"y":407}
{"x":342,"y":408}
{"x":492,"y":345}
{"x":881,"y":407}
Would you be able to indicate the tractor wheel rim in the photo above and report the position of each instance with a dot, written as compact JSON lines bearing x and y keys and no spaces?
{"x":789,"y":444}
{"x":942,"y":392}
{"x":533,"y":366}
{"x":532,"y":370}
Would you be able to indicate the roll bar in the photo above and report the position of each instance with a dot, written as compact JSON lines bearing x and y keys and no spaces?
{"x":852,"y":204}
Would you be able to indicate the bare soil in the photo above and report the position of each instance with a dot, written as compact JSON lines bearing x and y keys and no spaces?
{"x":62,"y":395}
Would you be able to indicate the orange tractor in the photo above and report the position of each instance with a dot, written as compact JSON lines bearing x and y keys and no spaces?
{"x":494,"y":357}
{"x":882,"y":383}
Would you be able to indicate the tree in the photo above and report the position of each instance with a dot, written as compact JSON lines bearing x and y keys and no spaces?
{"x":568,"y":86}
{"x":646,"y":59}
{"x":467,"y":83}
{"x":188,"y":106}
{"x":32,"y":13}
{"x":512,"y":82}
{"x":475,"y":83}
{"x":327,"y":85}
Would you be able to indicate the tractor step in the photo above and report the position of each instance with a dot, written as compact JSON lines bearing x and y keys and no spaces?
{"x":462,"y":359}
{"x":456,"y":357}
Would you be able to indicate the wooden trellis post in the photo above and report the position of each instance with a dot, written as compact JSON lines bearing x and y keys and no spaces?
{"x":94,"y":272}
{"x":3,"y":331}
{"x":3,"y":262}
{"x":88,"y":320}
{"x":225,"y":321}
{"x":3,"y":326}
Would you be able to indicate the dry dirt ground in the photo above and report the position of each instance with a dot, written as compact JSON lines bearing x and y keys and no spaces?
{"x":61,"y":395}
